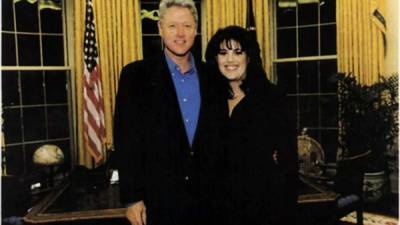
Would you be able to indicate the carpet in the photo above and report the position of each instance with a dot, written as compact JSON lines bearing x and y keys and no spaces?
{"x":371,"y":219}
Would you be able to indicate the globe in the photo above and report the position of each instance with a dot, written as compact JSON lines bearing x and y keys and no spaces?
{"x":48,"y":155}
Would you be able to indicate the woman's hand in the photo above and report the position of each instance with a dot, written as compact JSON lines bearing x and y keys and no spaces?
{"x":275,"y":157}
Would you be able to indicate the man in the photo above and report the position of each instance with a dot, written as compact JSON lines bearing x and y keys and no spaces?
{"x":165,"y":129}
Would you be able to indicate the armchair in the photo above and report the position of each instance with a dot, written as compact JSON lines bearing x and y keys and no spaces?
{"x":348,"y":182}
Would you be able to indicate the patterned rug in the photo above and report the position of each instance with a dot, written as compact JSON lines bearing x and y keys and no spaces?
{"x":371,"y":219}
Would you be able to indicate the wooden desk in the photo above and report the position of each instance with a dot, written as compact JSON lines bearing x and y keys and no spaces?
{"x":68,"y":203}
{"x":312,"y":192}
{"x":317,"y":204}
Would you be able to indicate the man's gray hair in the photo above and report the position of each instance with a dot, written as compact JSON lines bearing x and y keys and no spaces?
{"x":165,"y":4}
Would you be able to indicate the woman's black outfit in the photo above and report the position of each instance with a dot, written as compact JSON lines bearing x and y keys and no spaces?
{"x":261,"y":191}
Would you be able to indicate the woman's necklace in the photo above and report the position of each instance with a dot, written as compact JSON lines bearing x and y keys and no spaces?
{"x":237,"y":95}
{"x":232,"y":102}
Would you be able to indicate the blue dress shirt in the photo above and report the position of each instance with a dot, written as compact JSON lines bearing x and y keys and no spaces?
{"x":188,"y":93}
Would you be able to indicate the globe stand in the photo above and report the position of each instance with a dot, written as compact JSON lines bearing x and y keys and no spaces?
{"x":48,"y":156}
{"x":51,"y":176}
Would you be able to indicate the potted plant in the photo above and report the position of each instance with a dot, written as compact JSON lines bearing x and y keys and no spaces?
{"x":368,"y":121}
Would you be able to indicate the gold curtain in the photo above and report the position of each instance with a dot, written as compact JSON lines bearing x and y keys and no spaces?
{"x":119,"y":39}
{"x":264,"y":18}
{"x":361,"y":38}
{"x":222,"y":13}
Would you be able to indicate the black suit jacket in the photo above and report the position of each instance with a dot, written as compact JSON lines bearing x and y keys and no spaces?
{"x":177,"y":182}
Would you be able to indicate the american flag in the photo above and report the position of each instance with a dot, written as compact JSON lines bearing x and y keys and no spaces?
{"x":93,"y":112}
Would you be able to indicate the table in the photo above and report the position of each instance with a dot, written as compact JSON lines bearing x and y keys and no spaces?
{"x":313,"y":192}
{"x":100,"y":203}
{"x":317,"y":203}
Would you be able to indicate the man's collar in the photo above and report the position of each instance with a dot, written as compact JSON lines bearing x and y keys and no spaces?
{"x":172,"y":66}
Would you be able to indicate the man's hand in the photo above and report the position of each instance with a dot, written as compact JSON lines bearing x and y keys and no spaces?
{"x":136,"y":213}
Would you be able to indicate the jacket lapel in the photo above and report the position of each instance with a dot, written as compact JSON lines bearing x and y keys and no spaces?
{"x":164,"y":92}
{"x":203,"y":94}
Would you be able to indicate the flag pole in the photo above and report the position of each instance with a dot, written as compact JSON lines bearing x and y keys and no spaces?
{"x":250,"y":22}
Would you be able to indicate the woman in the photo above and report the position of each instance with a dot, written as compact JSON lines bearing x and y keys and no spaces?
{"x":262,"y":186}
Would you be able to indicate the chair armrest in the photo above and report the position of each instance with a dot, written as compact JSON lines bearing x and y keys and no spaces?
{"x":356,"y":157}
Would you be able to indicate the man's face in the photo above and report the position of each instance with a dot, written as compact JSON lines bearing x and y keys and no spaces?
{"x":178,"y":30}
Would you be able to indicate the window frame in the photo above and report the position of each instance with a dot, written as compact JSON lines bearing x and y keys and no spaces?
{"x":67,"y":68}
{"x":300,"y":59}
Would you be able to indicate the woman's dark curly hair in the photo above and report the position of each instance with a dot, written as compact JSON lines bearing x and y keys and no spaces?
{"x":255,"y":74}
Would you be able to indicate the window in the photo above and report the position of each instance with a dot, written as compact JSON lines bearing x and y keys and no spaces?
{"x":151,"y":39}
{"x":36,"y":84}
{"x":305,"y":64}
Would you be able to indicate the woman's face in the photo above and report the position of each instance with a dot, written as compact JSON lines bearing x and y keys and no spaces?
{"x":232,"y":60}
